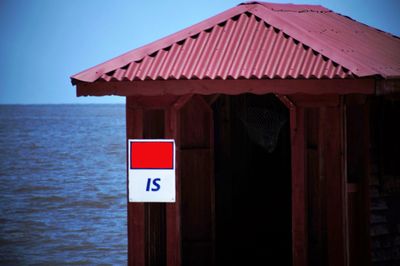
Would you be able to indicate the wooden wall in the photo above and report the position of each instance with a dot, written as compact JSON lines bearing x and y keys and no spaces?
{"x":330,"y":195}
{"x":195,"y":148}
{"x":329,"y":154}
{"x":319,"y":229}
{"x":146,"y":221}
{"x":180,"y":233}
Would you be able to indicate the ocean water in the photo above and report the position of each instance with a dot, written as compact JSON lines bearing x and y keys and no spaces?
{"x":62,"y":185}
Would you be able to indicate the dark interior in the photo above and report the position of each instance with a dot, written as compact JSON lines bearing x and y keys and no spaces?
{"x":252,"y":183}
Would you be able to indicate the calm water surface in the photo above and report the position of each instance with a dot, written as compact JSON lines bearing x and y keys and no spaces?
{"x":62,"y":185}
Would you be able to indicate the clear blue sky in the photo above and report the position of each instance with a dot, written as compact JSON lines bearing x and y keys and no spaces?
{"x":44,"y":42}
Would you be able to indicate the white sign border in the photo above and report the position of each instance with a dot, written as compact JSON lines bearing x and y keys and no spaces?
{"x":171,"y":184}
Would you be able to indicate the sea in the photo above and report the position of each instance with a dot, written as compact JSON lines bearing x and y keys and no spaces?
{"x":63,"y":185}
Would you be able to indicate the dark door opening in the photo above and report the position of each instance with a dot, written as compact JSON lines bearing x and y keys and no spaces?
{"x":252,"y":180}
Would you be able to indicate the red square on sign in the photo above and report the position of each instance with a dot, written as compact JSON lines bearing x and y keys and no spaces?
{"x":152,"y":155}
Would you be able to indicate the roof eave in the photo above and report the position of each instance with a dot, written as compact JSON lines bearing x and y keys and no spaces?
{"x":230,"y":87}
{"x":258,"y":9}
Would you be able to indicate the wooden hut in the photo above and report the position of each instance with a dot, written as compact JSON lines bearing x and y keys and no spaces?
{"x":285,"y":119}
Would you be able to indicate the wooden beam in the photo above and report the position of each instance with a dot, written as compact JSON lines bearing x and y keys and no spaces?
{"x":299,"y":208}
{"x":388,"y":86}
{"x":151,"y":102}
{"x":312,"y":101}
{"x":210,"y":99}
{"x":292,"y":112}
{"x":231,"y":87}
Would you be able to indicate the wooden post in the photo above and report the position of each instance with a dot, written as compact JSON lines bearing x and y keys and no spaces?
{"x":299,"y":185}
{"x":173,"y":209}
{"x":299,"y":189}
{"x":136,"y":224}
{"x":145,"y":118}
{"x":332,"y":141}
{"x":190,"y":220}
{"x":358,"y":165}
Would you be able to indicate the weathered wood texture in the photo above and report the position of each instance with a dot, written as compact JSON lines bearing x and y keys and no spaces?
{"x":324,"y":216}
{"x":173,"y":219}
{"x":358,"y":158}
{"x":299,"y":211}
{"x":155,"y":221}
{"x":331,"y":119}
{"x":146,"y":221}
{"x":319,"y":187}
{"x":191,"y":219}
{"x":136,"y":223}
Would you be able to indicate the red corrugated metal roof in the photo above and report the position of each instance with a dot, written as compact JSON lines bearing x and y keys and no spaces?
{"x":260,"y":40}
{"x":241,"y":47}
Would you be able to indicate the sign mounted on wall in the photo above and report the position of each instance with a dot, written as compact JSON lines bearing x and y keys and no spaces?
{"x":151,"y":170}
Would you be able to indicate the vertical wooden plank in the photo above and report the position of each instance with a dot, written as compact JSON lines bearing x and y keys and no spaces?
{"x":354,"y":224}
{"x":173,"y":225}
{"x":173,"y":217}
{"x":136,"y":225}
{"x":155,"y":229}
{"x":326,"y":223}
{"x":358,"y":169}
{"x":365,"y":187}
{"x":196,"y":207}
{"x":197,"y":217}
{"x":189,"y":122}
{"x":299,"y":213}
{"x":331,"y":123}
{"x":316,"y":191}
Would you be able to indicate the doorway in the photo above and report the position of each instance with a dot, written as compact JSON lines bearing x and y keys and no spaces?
{"x":252,"y":165}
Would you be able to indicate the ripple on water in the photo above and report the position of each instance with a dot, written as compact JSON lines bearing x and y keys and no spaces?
{"x":62,"y":183}
{"x":30,"y":189}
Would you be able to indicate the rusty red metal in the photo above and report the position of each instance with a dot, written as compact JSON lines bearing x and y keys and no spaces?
{"x":261,"y":41}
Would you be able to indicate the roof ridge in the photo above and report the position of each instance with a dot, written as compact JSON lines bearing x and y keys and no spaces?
{"x":281,"y":7}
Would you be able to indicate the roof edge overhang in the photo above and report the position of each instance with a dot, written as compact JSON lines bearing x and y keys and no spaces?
{"x":229,"y":87}
{"x":364,"y":78}
{"x":258,"y":9}
{"x":93,"y":73}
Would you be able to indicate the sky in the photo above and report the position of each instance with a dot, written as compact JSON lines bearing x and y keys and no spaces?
{"x":44,"y":42}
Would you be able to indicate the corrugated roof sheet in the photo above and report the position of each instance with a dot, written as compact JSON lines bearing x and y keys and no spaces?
{"x":260,"y":40}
